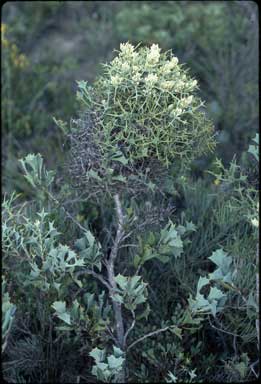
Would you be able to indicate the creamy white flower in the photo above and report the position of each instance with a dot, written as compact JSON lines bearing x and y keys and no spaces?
{"x":186,"y":101}
{"x":167,"y":68}
{"x":116,"y":80}
{"x":154,"y":54}
{"x":179,"y":85}
{"x":174,"y":61}
{"x":167,"y":84}
{"x":125,"y":67}
{"x":116,"y":61}
{"x":137,"y":77}
{"x":194,"y":83}
{"x":127,"y":49}
{"x":176,"y":112}
{"x":151,"y":79}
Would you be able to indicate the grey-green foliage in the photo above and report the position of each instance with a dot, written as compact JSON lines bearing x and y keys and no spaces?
{"x":89,"y":250}
{"x":35,"y":171}
{"x":35,"y":241}
{"x":219,"y":41}
{"x":37,"y":237}
{"x":131,"y":291}
{"x":107,"y":367}
{"x":215,"y":300}
{"x":163,"y":246}
{"x":141,"y":114}
{"x":90,"y":314}
{"x":191,"y":375}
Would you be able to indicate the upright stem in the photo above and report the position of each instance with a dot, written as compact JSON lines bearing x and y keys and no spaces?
{"x":111,"y":278}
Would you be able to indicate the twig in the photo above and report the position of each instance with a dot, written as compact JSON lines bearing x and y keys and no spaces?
{"x":111,"y":335}
{"x":222,"y":330}
{"x":147,"y":335}
{"x":65,"y":211}
{"x":130,"y":328}
{"x":97,"y":275}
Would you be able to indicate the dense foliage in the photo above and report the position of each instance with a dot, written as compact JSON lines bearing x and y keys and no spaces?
{"x":140,"y":115}
{"x":130,"y":234}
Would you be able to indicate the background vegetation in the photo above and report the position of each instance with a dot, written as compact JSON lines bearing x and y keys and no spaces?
{"x":46,"y":48}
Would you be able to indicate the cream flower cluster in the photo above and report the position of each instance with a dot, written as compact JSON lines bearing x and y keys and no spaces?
{"x":125,"y":67}
{"x":116,"y":80}
{"x":149,"y":97}
{"x":167,"y":84}
{"x":151,"y":79}
{"x":126,"y":49}
{"x":147,"y":68}
{"x":185,"y":102}
{"x":170,"y":65}
{"x":154,"y":54}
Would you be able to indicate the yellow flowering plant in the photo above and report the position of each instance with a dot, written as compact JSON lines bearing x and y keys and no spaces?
{"x":16,"y":58}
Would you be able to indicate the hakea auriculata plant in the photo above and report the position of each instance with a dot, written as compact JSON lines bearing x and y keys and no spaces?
{"x":141,"y":117}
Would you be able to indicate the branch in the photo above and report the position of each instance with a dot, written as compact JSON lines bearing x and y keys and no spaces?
{"x":111,"y":335}
{"x":148,"y":335}
{"x":65,"y":211}
{"x":111,"y":275}
{"x":97,"y":275}
{"x":222,"y":330}
{"x":131,"y":327}
{"x":120,"y":230}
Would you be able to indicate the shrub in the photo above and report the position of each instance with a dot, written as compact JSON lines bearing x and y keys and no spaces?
{"x":141,"y":114}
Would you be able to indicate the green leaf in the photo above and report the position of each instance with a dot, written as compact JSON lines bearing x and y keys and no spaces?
{"x":119,"y":178}
{"x":91,"y":173}
{"x":190,"y":226}
{"x":151,"y":239}
{"x":118,"y":156}
{"x":64,"y":328}
{"x":121,"y":281}
{"x":252,"y":302}
{"x":65,"y":317}
{"x":202,"y":282}
{"x":82,"y":84}
{"x":98,"y":354}
{"x":136,"y":261}
{"x":151,"y":186}
{"x":117,"y":351}
{"x":115,"y":362}
{"x":215,"y":294}
{"x":133,"y":281}
{"x":119,"y":299}
{"x":163,"y":258}
{"x":218,"y":257}
{"x":177,"y":331}
{"x":241,"y":368}
{"x":59,"y":306}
